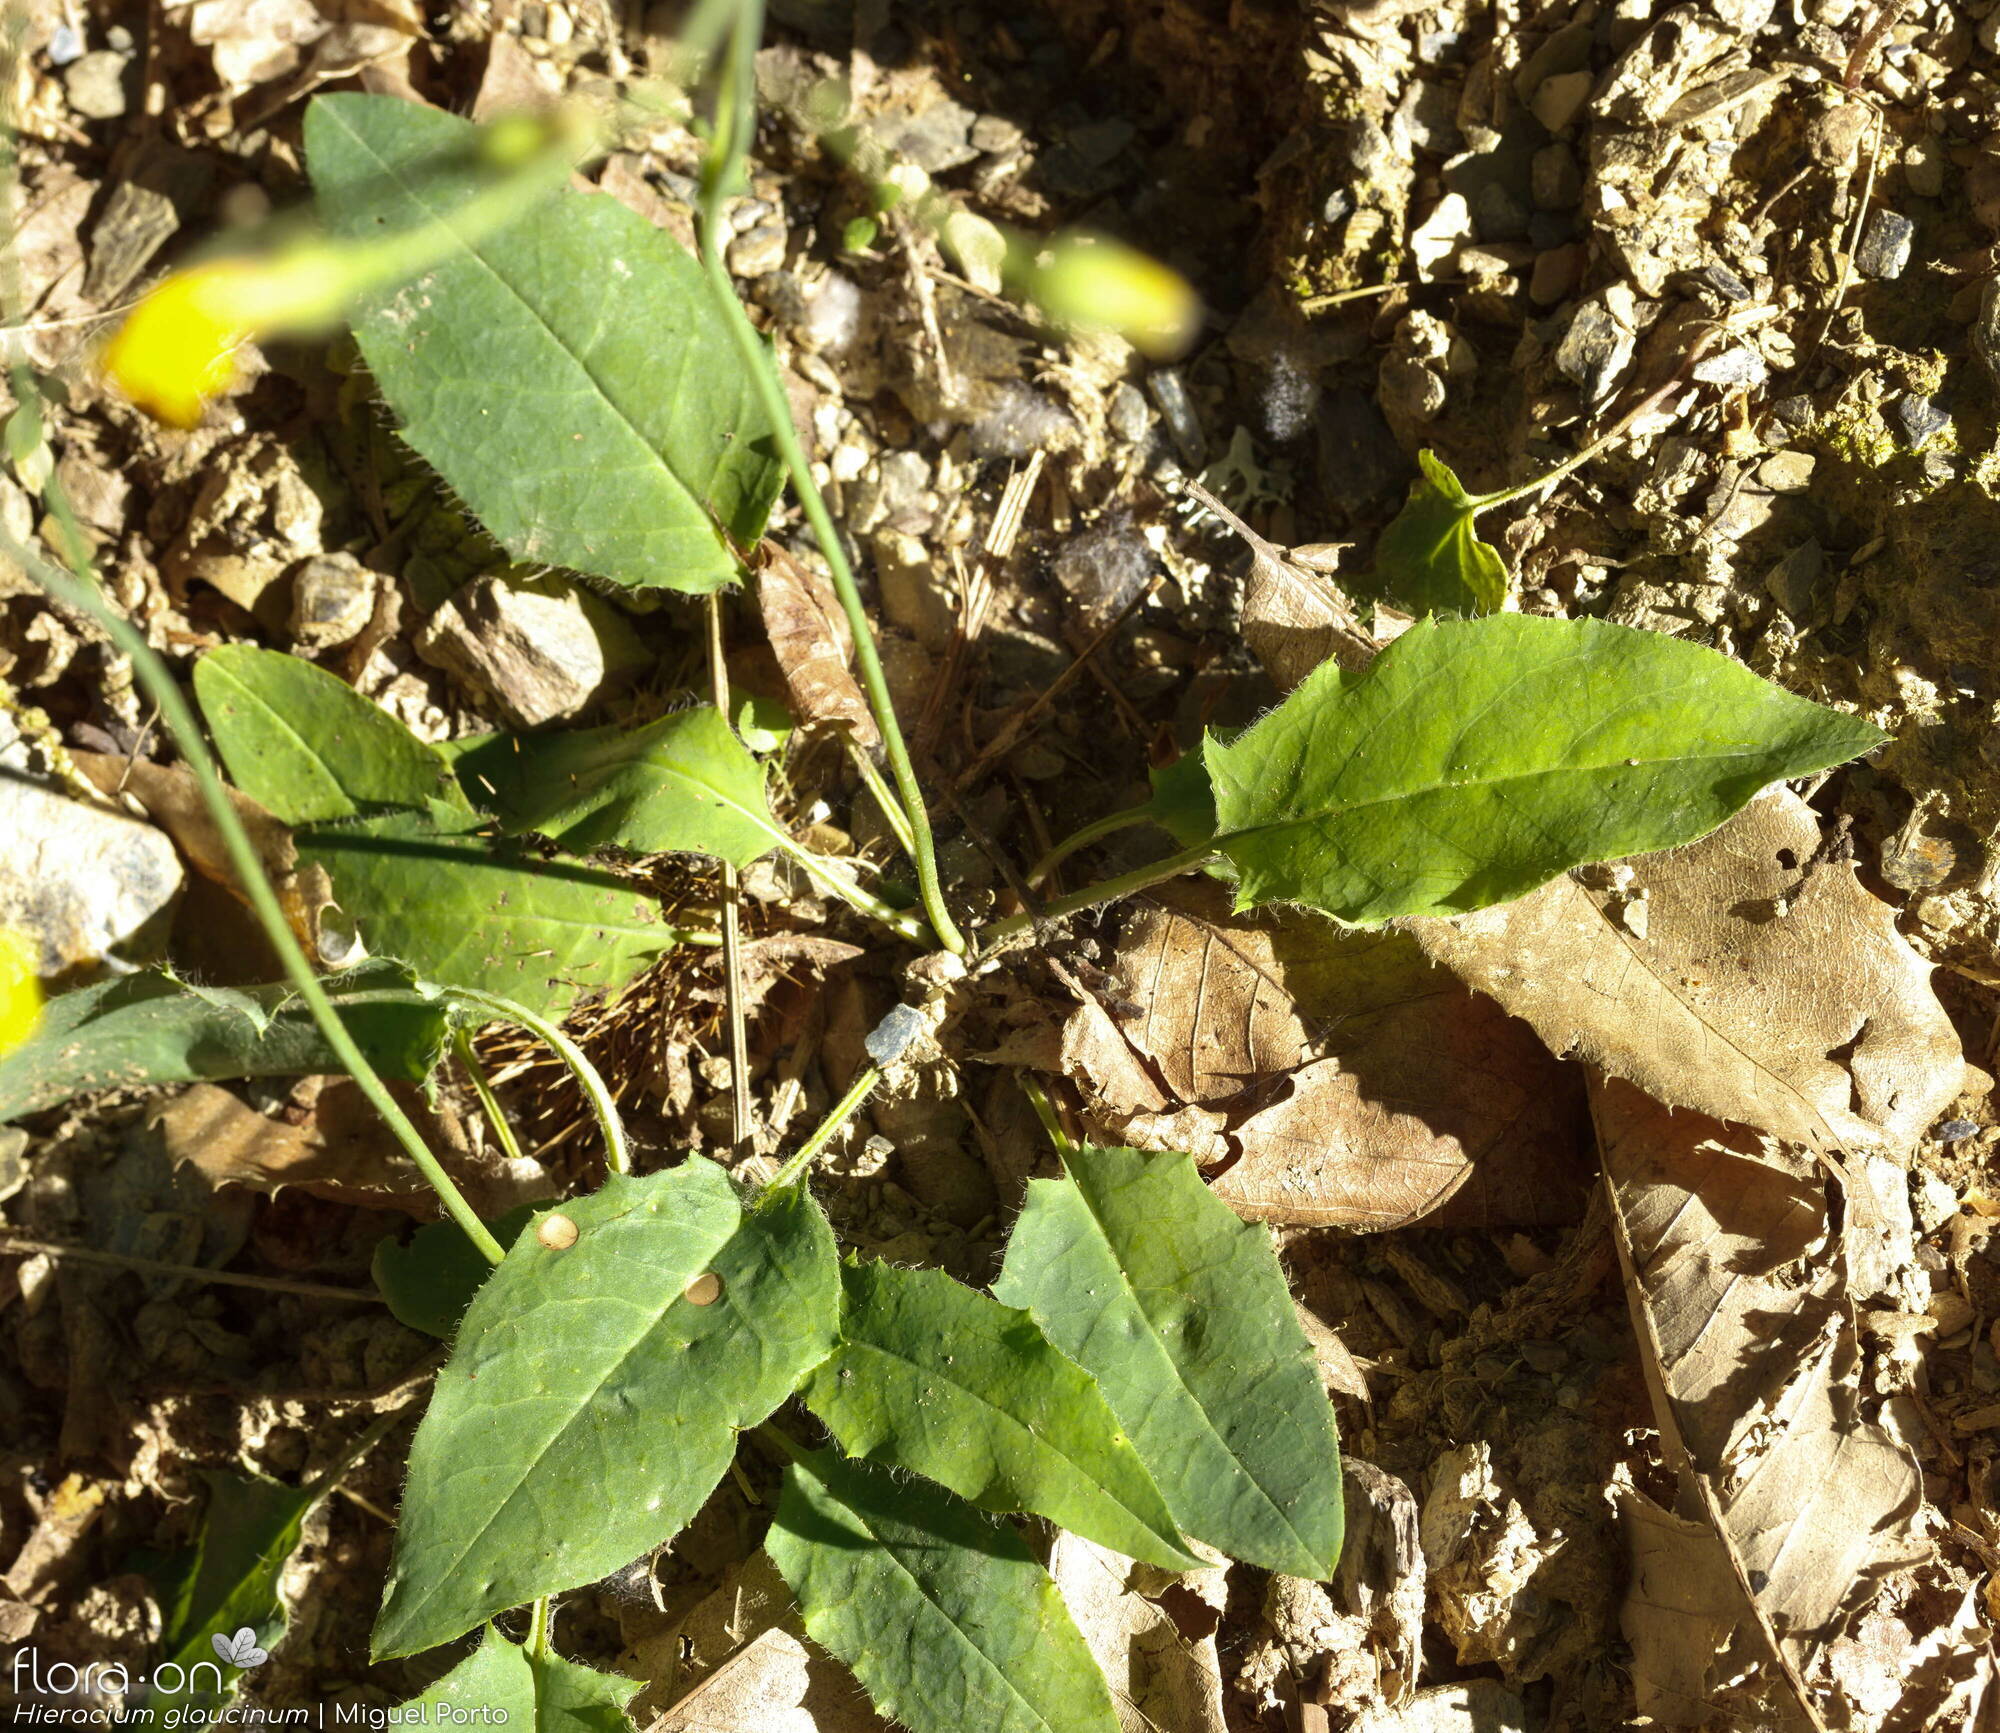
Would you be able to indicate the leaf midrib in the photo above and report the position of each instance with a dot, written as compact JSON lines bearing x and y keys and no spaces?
{"x":1325,"y":813}
{"x":1021,"y":1426}
{"x":498,"y":1506}
{"x":1152,"y":1330}
{"x":393,"y":173}
{"x":952,"y":1624}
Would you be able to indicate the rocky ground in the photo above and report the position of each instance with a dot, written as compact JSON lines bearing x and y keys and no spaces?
{"x":1488,"y":231}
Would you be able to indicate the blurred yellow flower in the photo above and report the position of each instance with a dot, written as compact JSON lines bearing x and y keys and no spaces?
{"x":20,"y":990}
{"x":1082,"y":279}
{"x":176,"y":350}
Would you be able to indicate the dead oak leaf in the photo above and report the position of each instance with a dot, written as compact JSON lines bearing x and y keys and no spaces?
{"x":811,"y":639}
{"x":1737,"y":1277}
{"x":1740,"y":976}
{"x":1329,"y":1077}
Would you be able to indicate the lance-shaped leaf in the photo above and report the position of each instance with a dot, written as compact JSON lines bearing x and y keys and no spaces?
{"x":1181,"y":1313}
{"x":466,"y":912}
{"x":568,"y":374}
{"x":1475,"y":760}
{"x":306,"y":746}
{"x":935,"y":1377}
{"x":150,"y":1028}
{"x":501,"y":1683}
{"x":940,"y":1611}
{"x":683,"y":782}
{"x":595,"y":1393}
{"x":1430,"y":559}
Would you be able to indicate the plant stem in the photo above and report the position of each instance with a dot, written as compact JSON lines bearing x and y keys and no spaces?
{"x":538,"y":1628}
{"x":1045,"y":1111}
{"x":732,"y":919}
{"x":734,"y":120}
{"x":14,"y":1245}
{"x":843,"y":1110}
{"x":1103,"y":827}
{"x":891,"y":807}
{"x":617,"y":1153}
{"x":461,"y":1040}
{"x":1104,"y":891}
{"x":823,"y":873}
{"x":160,"y":686}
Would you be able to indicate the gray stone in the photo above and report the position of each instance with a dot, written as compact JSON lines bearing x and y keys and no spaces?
{"x":757,"y":253}
{"x":91,"y":889}
{"x":1723,"y":281}
{"x":1787,"y":471}
{"x":994,"y":134}
{"x":1884,"y":252}
{"x":1128,"y":417}
{"x":1170,"y":395}
{"x":541,"y":649}
{"x":1594,"y":351}
{"x":1103,"y":567}
{"x":1916,"y":419}
{"x":96,"y":84}
{"x":1795,"y":411}
{"x":939,"y":138}
{"x":1736,"y":367}
{"x":333,"y":598}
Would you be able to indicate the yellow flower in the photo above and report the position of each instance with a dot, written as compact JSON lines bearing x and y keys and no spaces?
{"x":176,"y":351}
{"x":1087,"y":280}
{"x":20,"y":990}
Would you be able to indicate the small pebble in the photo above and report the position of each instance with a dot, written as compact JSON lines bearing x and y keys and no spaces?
{"x":1723,"y":281}
{"x":1916,"y":419}
{"x":1787,"y":471}
{"x":1740,"y":366}
{"x":1794,"y":412}
{"x":893,"y":1035}
{"x":1923,"y":167}
{"x":1561,"y":98}
{"x":1884,"y":252}
{"x":1556,"y":275}
{"x":1170,"y":395}
{"x":1957,"y":1131}
{"x":757,"y":253}
{"x":96,"y":85}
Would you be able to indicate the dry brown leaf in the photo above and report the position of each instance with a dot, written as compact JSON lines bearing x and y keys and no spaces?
{"x":1738,"y":976}
{"x":810,"y":637}
{"x":1679,"y":1613}
{"x":1740,"y":1293}
{"x":230,"y":1143}
{"x":737,"y":1664}
{"x":1335,"y":1077}
{"x":1159,"y":1678}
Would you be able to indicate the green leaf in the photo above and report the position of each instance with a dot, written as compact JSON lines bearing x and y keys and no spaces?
{"x":465,"y":911}
{"x":1475,"y":760}
{"x":936,"y":1378}
{"x":1183,"y":803}
{"x":568,"y":375}
{"x":589,"y":1406}
{"x":941,"y":1612}
{"x":683,"y":782}
{"x":1430,"y":559}
{"x":306,"y":746}
{"x":151,"y":1028}
{"x":1180,"y":1310}
{"x":228,"y":1584}
{"x":501,"y":1683}
{"x":429,"y":1283}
